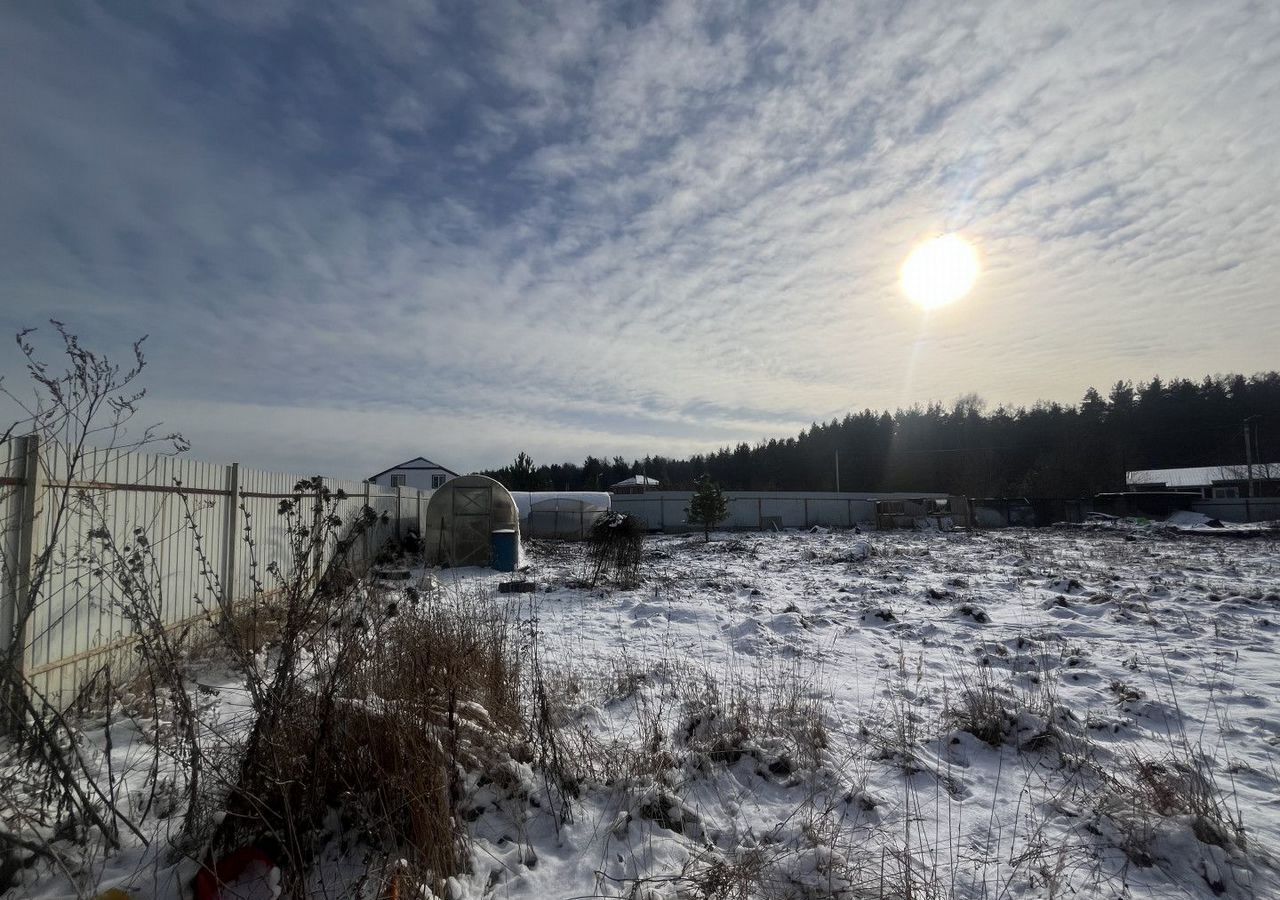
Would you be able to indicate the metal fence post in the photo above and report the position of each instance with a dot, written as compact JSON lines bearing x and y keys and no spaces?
{"x":17,"y":617}
{"x":398,"y":490}
{"x":230,"y":541}
{"x":364,"y":535}
{"x":15,"y":526}
{"x":317,"y":534}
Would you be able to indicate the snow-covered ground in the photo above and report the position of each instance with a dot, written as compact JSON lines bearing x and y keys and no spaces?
{"x":1024,"y":713}
{"x":1139,"y":670}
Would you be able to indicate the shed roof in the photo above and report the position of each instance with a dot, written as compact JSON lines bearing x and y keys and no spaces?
{"x":1201,"y":476}
{"x":636,"y":480}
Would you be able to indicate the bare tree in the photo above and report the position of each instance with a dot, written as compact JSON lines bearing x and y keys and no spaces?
{"x":74,"y":412}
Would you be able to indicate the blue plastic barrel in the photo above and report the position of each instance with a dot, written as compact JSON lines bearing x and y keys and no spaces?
{"x":505,"y":549}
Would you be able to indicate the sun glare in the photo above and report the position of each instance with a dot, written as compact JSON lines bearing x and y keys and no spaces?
{"x":940,"y":271}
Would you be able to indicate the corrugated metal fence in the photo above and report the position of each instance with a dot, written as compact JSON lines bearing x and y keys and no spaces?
{"x":1240,"y":509}
{"x":75,"y":625}
{"x":668,"y":510}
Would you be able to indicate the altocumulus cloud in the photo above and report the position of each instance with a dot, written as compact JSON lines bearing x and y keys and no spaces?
{"x":357,"y":232}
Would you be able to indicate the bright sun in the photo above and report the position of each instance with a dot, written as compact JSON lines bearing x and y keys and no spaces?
{"x":940,"y":271}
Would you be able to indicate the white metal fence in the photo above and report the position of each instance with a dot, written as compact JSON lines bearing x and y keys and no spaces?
{"x":1240,"y":509}
{"x":75,"y":624}
{"x":668,"y":510}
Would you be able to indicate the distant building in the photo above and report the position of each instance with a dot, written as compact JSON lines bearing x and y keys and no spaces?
{"x":636,"y":484}
{"x":418,"y":472}
{"x":1210,"y":482}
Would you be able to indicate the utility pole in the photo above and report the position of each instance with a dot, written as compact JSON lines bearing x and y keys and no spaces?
{"x":1248,"y":456}
{"x":1250,"y":424}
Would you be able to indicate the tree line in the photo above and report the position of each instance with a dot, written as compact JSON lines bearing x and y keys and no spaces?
{"x":1045,"y":450}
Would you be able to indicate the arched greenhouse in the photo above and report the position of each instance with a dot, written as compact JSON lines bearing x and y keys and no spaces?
{"x":462,"y":516}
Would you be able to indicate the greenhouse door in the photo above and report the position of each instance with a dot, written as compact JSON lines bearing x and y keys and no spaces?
{"x":472,"y":512}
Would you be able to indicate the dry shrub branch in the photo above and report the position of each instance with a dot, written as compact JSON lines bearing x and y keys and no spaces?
{"x":615,"y":548}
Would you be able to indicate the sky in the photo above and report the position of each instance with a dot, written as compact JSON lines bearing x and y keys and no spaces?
{"x":362,"y":232}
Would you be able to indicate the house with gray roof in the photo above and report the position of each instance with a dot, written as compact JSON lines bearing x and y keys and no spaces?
{"x":418,"y":472}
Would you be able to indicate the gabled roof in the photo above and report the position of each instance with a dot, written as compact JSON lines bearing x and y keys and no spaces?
{"x":418,"y":462}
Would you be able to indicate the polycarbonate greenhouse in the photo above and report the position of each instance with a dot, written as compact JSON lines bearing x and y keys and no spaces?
{"x":461,"y":518}
{"x":565,"y":516}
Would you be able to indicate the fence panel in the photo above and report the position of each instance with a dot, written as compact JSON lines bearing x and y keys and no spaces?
{"x":666,"y":510}
{"x":104,"y":503}
{"x":383,"y":502}
{"x":109,"y":506}
{"x":1250,"y":509}
{"x":647,"y":509}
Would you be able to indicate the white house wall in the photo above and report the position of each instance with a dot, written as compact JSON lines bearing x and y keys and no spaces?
{"x":413,"y":478}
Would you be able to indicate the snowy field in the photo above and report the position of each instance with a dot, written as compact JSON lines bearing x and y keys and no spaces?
{"x":795,"y":715}
{"x":1047,"y":713}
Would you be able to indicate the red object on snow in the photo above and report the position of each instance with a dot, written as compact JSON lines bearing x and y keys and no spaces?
{"x":212,"y":876}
